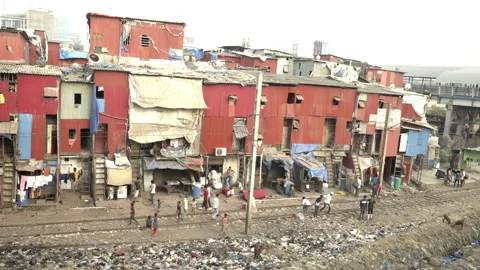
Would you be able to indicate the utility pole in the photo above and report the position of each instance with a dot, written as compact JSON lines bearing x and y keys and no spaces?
{"x":384,"y":144}
{"x":248,"y":221}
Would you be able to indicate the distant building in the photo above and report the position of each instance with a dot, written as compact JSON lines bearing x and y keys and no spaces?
{"x":319,"y":48}
{"x":13,"y":20}
{"x":61,"y":29}
{"x":41,"y":20}
{"x":37,"y":20}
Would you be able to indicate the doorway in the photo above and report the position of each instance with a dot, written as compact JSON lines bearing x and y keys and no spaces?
{"x":329,"y":133}
{"x":287,"y":133}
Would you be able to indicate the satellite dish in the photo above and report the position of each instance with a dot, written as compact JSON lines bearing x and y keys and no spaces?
{"x":317,"y":57}
{"x":408,"y":86}
{"x":94,"y":57}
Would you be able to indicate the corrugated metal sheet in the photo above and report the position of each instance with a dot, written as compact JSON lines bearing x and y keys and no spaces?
{"x":240,"y":131}
{"x":89,"y":15}
{"x":70,"y":110}
{"x":30,"y":93}
{"x":25,"y":135}
{"x":8,"y":127}
{"x":39,"y":128}
{"x":417,"y":142}
{"x":10,"y":105}
{"x":30,"y":70}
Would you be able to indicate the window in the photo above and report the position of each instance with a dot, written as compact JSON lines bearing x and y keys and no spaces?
{"x":291,"y":98}
{"x":72,"y":134}
{"x":126,"y":42}
{"x":336,"y":101}
{"x":145,"y":41}
{"x":349,"y":125}
{"x":361,"y":104}
{"x":310,"y":73}
{"x":12,"y":81}
{"x":232,"y":100}
{"x":381,"y":103}
{"x":78,"y":99}
{"x":85,"y":139}
{"x":99,"y":92}
{"x":296,"y":124}
{"x":299,"y":98}
{"x":299,"y":65}
{"x":263,"y":101}
{"x":300,"y":73}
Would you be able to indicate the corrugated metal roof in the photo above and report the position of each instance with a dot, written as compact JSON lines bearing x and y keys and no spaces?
{"x":240,"y":131}
{"x":371,"y":88}
{"x":91,"y":14}
{"x":30,"y":70}
{"x":279,"y":79}
{"x":15,"y":31}
{"x":77,"y":77}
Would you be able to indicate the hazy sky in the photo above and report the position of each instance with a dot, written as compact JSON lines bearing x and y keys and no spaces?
{"x":421,"y":32}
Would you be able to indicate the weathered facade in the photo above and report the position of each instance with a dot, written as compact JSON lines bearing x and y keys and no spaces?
{"x":140,"y":39}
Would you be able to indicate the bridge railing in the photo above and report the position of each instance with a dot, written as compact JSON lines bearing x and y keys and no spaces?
{"x":458,"y":91}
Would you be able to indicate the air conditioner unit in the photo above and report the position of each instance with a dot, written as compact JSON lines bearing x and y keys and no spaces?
{"x":220,"y":152}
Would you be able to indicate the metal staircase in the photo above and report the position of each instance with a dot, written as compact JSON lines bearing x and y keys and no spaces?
{"x":241,"y":169}
{"x":356,"y":165}
{"x":100,"y":173}
{"x":8,"y":184}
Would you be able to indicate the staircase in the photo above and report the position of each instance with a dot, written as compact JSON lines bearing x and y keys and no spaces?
{"x":425,"y":162}
{"x":241,"y":170}
{"x":329,"y":164}
{"x":7,"y":195}
{"x":398,"y":166}
{"x":135,"y":162}
{"x":84,"y":181}
{"x":356,"y":165}
{"x":100,"y":177}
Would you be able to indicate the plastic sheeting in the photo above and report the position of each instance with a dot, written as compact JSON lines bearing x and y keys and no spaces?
{"x":178,"y":164}
{"x":165,"y":92}
{"x":119,"y":177}
{"x":366,"y":162}
{"x":64,"y":54}
{"x":418,"y":102}
{"x":284,"y":161}
{"x":198,"y":53}
{"x":94,"y":113}
{"x":304,"y":149}
{"x":314,"y":167}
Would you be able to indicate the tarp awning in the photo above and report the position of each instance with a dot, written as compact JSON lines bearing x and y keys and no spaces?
{"x":280,"y":159}
{"x":166,"y":92}
{"x":119,"y":177}
{"x":240,"y":131}
{"x":150,"y":133}
{"x":299,"y":97}
{"x":361,"y":104}
{"x":30,"y":165}
{"x":314,"y":167}
{"x":337,"y":99}
{"x":366,"y":162}
{"x":178,"y":164}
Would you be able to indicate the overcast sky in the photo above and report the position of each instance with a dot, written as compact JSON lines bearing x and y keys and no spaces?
{"x":422,"y":32}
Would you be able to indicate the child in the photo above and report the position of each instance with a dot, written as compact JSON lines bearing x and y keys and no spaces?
{"x":224,"y":225}
{"x":155,"y":224}
{"x":149,"y":222}
{"x":194,"y":205}
{"x":179,"y":210}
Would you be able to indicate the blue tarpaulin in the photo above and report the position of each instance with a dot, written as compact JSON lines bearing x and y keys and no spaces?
{"x":72,"y":55}
{"x":314,"y":167}
{"x":304,"y":149}
{"x":94,"y":113}
{"x":198,"y":53}
{"x":283,"y":160}
{"x":175,"y":54}
{"x":213,"y":57}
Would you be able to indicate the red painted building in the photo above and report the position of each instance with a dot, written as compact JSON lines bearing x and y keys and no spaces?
{"x":236,"y":58}
{"x":385,"y":77}
{"x":15,"y":46}
{"x":140,"y":38}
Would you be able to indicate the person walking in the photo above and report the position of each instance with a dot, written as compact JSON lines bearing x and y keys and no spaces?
{"x":357,"y":185}
{"x":371,"y":203}
{"x":132,"y":213}
{"x":209,"y":188}
{"x":153,"y":187}
{"x":228,"y":178}
{"x":328,"y":200}
{"x":317,"y":205}
{"x":216,"y":206}
{"x":224,"y":225}
{"x":205,"y":199}
{"x":179,"y":211}
{"x":363,"y":207}
{"x":456,"y":182}
{"x":155,"y":224}
{"x":137,"y":189}
{"x":392,"y":182}
{"x":463,"y":176}
{"x":306,"y":204}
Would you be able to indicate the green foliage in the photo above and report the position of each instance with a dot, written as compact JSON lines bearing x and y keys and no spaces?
{"x":445,"y":156}
{"x":436,"y":111}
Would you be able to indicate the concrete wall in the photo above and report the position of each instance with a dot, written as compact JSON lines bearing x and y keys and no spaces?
{"x":302,"y":67}
{"x":70,"y":110}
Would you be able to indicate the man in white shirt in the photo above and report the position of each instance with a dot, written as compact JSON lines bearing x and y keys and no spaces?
{"x":328,"y":199}
{"x":216,"y":206}
{"x":357,"y":186}
{"x":306,"y":204}
{"x":185,"y":206}
{"x":152,"y":190}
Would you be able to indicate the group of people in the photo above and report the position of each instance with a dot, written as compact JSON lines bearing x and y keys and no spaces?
{"x":326,"y":203}
{"x":458,"y":176}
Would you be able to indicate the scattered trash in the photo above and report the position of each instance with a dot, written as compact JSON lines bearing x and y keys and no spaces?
{"x":446,"y":260}
{"x":387,"y":265}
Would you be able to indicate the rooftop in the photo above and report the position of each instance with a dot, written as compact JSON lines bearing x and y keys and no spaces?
{"x":420,"y":71}
{"x":91,"y":14}
{"x":280,"y":79}
{"x":372,"y":88}
{"x":30,"y":70}
{"x":15,"y":31}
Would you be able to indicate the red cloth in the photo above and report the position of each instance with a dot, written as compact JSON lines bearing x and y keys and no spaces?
{"x":257,"y":194}
{"x":205,"y":194}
